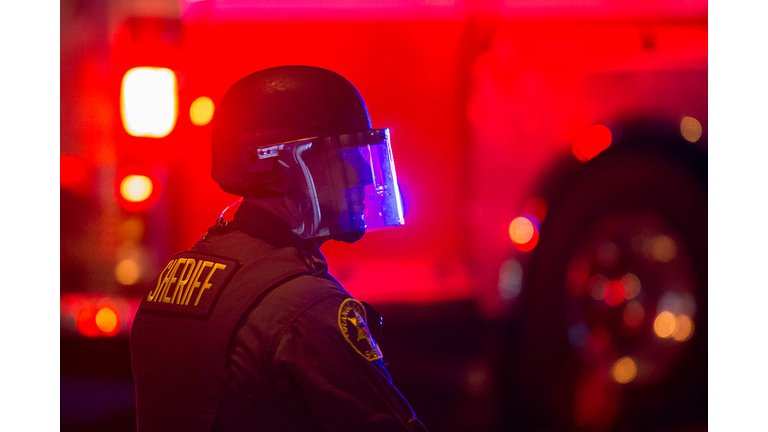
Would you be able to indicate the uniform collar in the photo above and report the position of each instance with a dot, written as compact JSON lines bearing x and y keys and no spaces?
{"x":260,"y":223}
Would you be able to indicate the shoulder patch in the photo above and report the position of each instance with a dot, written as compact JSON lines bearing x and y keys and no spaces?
{"x":352,"y":322}
{"x":190,"y":284}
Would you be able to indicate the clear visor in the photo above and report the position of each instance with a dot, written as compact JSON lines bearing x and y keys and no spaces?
{"x":339,"y":184}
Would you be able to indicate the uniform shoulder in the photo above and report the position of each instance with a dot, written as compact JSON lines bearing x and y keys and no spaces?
{"x":307,"y":291}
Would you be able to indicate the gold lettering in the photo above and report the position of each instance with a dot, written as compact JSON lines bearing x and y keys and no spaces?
{"x":194,"y":284}
{"x":206,"y":285}
{"x":183,"y":280}
{"x":152,"y":293}
{"x":192,"y":281}
{"x":165,"y":298}
{"x":166,"y":279}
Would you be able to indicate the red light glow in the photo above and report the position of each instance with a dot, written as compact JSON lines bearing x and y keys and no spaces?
{"x":94,"y":321}
{"x":593,"y":141}
{"x":536,"y":206}
{"x":95,"y":315}
{"x":596,"y":402}
{"x":613,"y":293}
{"x":86,"y":321}
{"x":73,"y":173}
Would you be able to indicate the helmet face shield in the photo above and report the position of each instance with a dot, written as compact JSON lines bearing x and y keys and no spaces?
{"x":339,"y":184}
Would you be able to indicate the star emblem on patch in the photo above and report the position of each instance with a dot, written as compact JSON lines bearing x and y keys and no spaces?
{"x":355,"y":330}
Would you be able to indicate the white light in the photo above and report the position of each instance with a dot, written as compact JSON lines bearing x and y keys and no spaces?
{"x":148,"y":101}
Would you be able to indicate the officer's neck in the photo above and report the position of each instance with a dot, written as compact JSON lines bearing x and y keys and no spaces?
{"x":254,"y":219}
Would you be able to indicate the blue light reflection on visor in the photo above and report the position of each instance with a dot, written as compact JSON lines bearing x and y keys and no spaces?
{"x":341,"y":183}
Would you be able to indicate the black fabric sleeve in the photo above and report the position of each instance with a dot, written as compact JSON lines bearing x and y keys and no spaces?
{"x":344,"y":389}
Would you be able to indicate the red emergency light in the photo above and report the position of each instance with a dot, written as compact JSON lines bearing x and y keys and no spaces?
{"x":591,"y":142}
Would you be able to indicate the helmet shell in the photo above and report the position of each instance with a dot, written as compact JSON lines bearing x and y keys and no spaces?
{"x":277,"y":105}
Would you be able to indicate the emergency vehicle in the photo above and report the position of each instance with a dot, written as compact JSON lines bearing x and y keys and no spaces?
{"x":552,"y":271}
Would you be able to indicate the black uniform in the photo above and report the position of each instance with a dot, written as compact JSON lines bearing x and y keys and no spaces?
{"x":247,"y":331}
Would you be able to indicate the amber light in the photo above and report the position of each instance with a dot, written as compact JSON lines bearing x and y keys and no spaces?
{"x":92,"y":321}
{"x":107,"y":321}
{"x":664,"y":324}
{"x":523,"y":233}
{"x":136,"y":189}
{"x":683,"y":328}
{"x":201,"y":111}
{"x":691,"y":129}
{"x":127,"y":271}
{"x":624,"y":370}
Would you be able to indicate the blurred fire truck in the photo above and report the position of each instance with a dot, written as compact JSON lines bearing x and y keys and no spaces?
{"x":552,"y":273}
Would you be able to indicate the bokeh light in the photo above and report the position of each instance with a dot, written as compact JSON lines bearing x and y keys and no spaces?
{"x":85,"y":320}
{"x":613,"y":293}
{"x":683,"y":328}
{"x":664,"y":325}
{"x":127,"y":271}
{"x":523,"y":233}
{"x":662,"y":248}
{"x":631,"y":285}
{"x":609,"y":254}
{"x":136,"y":188}
{"x":510,"y":279}
{"x":107,"y":320}
{"x":690,"y":128}
{"x":624,"y":370}
{"x":148,"y":101}
{"x":677,"y":303}
{"x":633,"y":314}
{"x":73,"y":172}
{"x":201,"y":111}
{"x":578,"y":335}
{"x":593,"y":141}
{"x":521,"y":230}
{"x":132,"y":230}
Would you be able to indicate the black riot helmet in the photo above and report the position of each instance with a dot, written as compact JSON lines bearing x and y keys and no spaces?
{"x":303,"y":133}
